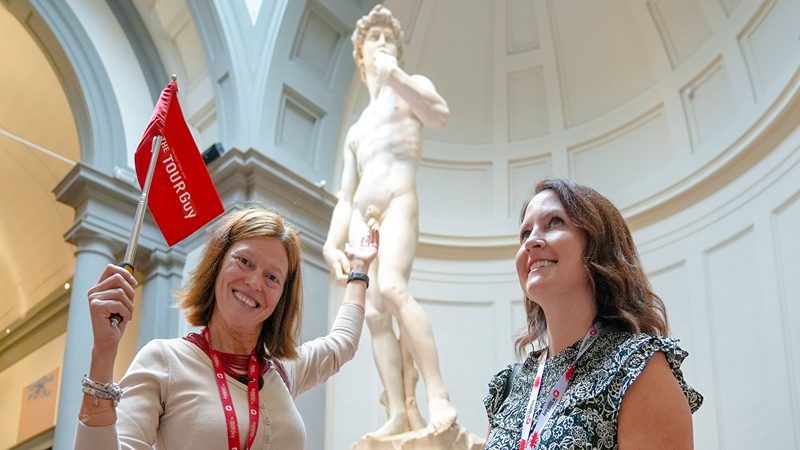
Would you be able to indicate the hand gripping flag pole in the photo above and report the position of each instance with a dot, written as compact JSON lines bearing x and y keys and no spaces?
{"x":176,"y":185}
{"x":130,"y":252}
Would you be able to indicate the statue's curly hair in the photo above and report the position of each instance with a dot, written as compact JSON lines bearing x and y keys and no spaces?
{"x":380,"y":15}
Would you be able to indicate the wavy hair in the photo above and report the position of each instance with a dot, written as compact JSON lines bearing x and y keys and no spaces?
{"x":280,"y":333}
{"x":379,"y":15}
{"x":622,"y":294}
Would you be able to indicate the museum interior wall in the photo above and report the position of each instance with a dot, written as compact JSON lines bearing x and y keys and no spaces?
{"x":685,"y":113}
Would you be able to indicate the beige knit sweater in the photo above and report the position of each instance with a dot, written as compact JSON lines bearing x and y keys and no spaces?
{"x":171,"y":399}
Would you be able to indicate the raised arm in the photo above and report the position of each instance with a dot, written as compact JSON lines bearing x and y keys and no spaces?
{"x":113,"y":294}
{"x":332,"y":250}
{"x":416,"y":90}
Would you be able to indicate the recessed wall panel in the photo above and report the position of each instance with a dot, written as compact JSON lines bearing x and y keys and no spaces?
{"x":466,"y":354}
{"x":601,"y":57}
{"x":457,"y":56}
{"x":298,"y":122}
{"x":682,"y":27}
{"x":671,"y":284}
{"x":771,"y":44}
{"x":522,"y":33}
{"x":316,"y":44}
{"x":642,"y":147}
{"x":750,"y":374}
{"x":454,"y":191}
{"x":523,"y":175}
{"x":708,"y":101}
{"x":527,"y":104}
{"x":786,"y":223}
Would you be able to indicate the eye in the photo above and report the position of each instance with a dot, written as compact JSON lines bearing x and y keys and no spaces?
{"x":556,"y":221}
{"x":243,"y":260}
{"x":523,"y":235}
{"x":273,"y":279}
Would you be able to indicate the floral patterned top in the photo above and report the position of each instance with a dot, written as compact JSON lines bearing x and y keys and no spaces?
{"x":586,"y":415}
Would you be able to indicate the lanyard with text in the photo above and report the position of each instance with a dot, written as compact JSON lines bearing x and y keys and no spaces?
{"x":528,"y":439}
{"x":227,"y":402}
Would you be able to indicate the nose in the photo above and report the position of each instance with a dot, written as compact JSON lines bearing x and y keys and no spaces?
{"x":253,"y":279}
{"x":382,"y":38}
{"x":534,"y":241}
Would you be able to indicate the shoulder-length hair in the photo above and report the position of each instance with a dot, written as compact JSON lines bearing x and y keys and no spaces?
{"x":622,"y":294}
{"x":281,"y":331}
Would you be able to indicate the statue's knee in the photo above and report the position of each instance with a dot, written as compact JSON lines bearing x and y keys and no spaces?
{"x":393,"y":293}
{"x":375,"y":319}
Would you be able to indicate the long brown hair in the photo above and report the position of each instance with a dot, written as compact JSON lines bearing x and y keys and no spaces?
{"x":281,"y":331}
{"x":622,"y":294}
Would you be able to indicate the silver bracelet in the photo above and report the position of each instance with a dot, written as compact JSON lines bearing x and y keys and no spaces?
{"x":106,"y":391}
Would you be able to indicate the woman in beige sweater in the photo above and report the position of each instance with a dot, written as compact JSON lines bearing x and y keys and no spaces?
{"x":233,"y":385}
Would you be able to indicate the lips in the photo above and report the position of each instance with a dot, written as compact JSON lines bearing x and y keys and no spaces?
{"x":246,"y":300}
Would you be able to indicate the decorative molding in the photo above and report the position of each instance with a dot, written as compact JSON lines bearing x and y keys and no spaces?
{"x":38,"y":326}
{"x":252,"y":176}
{"x":690,"y":187}
{"x":83,"y":76}
{"x":142,"y":44}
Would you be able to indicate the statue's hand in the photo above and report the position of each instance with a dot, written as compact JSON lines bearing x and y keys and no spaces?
{"x":338,"y":262}
{"x":384,"y":64}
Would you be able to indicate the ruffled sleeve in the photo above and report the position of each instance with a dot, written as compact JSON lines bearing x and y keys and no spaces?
{"x":642,"y":349}
{"x":497,"y":390}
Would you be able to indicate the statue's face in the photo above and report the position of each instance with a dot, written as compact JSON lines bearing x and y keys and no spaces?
{"x":380,"y":38}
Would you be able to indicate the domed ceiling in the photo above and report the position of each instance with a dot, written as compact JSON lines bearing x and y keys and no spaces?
{"x":641,"y":100}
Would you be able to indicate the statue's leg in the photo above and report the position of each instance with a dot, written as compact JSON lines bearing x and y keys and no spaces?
{"x":396,"y":255}
{"x":410,"y":379}
{"x":385,"y":351}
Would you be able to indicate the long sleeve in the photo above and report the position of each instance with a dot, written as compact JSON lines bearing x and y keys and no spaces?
{"x":324,"y":356}
{"x":138,"y":412}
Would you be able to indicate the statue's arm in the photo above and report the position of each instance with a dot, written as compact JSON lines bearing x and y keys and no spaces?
{"x":340,"y":220}
{"x":421,"y":96}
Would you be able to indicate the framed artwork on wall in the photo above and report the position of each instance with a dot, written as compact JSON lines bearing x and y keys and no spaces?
{"x":38,"y":406}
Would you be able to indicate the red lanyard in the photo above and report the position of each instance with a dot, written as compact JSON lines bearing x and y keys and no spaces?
{"x":227,"y":404}
{"x":528,"y":439}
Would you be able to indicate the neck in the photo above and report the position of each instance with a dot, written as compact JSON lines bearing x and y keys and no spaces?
{"x":372,"y":85}
{"x":566,"y":324}
{"x":228,"y":340}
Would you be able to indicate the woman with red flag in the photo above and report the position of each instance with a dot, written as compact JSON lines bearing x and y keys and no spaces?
{"x":602,"y":374}
{"x":233,"y":385}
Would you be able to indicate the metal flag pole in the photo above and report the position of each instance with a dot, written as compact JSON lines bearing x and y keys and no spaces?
{"x":130,"y":252}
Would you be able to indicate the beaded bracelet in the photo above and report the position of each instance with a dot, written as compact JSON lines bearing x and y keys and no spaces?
{"x":106,"y":391}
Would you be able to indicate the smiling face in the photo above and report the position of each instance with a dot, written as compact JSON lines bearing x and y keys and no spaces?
{"x":250,"y":283}
{"x":550,"y":257}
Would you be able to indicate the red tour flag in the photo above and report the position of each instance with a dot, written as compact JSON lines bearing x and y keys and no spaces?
{"x":182,"y":195}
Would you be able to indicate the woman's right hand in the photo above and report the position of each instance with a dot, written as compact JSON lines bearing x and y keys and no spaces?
{"x":113,"y":294}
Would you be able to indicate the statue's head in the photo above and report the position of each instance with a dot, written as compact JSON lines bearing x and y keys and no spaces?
{"x":379,"y":17}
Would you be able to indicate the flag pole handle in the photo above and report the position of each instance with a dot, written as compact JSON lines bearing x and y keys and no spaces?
{"x":130,"y":252}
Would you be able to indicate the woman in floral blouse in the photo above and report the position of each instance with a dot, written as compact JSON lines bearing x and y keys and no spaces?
{"x":603,"y":374}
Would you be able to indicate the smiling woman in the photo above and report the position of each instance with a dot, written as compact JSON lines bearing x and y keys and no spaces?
{"x":239,"y":377}
{"x":602,"y":373}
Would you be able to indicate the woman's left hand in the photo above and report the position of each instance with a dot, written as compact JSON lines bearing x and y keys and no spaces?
{"x":364,"y":252}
